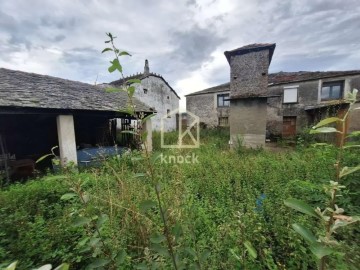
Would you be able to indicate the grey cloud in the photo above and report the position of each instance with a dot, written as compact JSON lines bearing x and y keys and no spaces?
{"x":307,"y":62}
{"x":59,"y":38}
{"x":58,"y":22}
{"x":193,"y":47}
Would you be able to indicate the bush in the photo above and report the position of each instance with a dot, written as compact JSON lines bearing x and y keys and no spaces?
{"x":221,"y":202}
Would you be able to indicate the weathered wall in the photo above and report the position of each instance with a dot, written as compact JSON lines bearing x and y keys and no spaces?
{"x":308,"y":96}
{"x":249,"y":74}
{"x":354,"y":120}
{"x":248,"y":107}
{"x":160,"y":97}
{"x":205,"y":107}
{"x":248,"y":121}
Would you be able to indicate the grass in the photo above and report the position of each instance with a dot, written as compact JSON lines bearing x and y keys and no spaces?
{"x":213,"y":207}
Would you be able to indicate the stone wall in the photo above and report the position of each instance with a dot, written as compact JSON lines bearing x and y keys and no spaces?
{"x":249,"y":74}
{"x":308,"y":96}
{"x":205,"y":107}
{"x":160,"y":97}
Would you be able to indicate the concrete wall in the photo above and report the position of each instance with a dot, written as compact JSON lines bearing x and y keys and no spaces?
{"x":205,"y":107}
{"x":248,"y":121}
{"x":249,"y":74}
{"x":160,"y":97}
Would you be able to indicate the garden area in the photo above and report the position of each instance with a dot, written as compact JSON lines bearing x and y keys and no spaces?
{"x":225,"y":211}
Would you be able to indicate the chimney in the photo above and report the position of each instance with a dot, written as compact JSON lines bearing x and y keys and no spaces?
{"x":146,"y":67}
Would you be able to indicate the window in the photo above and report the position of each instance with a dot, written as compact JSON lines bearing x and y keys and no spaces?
{"x":332,"y":90}
{"x":290,"y":95}
{"x":145,"y":91}
{"x":168,"y":113}
{"x":223,"y":121}
{"x":168,"y":97}
{"x":223,"y":100}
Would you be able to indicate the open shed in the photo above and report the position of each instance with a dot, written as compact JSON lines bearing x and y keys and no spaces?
{"x":38,"y":112}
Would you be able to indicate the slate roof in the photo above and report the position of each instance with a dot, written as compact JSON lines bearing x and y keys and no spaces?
{"x":216,"y":89}
{"x":252,"y":48}
{"x":142,"y":76}
{"x":300,"y":76}
{"x":30,"y":90}
{"x":285,"y":78}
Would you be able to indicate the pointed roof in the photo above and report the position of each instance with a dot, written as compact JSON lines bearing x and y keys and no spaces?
{"x":252,"y":48}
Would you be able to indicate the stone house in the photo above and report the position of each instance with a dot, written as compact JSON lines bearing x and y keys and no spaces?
{"x":294,"y":100}
{"x":38,"y":112}
{"x":155,"y":91}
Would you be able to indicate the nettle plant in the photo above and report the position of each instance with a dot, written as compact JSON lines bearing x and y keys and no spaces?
{"x":165,"y":247}
{"x":332,"y":215}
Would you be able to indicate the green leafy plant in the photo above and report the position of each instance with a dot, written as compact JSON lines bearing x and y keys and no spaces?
{"x":63,"y":266}
{"x":331,"y":216}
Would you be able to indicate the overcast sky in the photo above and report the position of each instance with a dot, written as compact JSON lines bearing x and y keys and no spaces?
{"x":183,"y":40}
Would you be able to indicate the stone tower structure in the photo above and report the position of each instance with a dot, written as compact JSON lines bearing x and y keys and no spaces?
{"x":249,"y":67}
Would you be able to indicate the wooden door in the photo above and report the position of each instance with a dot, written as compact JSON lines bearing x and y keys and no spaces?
{"x":289,"y":126}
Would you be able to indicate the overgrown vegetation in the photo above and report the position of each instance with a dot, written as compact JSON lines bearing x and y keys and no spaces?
{"x":215,"y":206}
{"x":224,"y":211}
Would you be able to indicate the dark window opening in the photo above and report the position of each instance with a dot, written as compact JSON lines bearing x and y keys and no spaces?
{"x":223,"y":100}
{"x":223,"y":121}
{"x":168,"y":113}
{"x":168,"y":97}
{"x":332,"y":90}
{"x":145,"y":91}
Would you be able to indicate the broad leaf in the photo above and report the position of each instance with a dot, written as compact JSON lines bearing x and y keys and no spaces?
{"x":63,"y":266}
{"x":354,"y":133}
{"x":250,"y":249}
{"x":141,"y":266}
{"x":304,"y":232}
{"x":348,"y":170}
{"x":301,"y":207}
{"x":327,"y":121}
{"x":80,"y":221}
{"x":162,"y":251}
{"x":113,"y":89}
{"x":204,"y":255}
{"x":124,"y":53}
{"x":45,"y":267}
{"x":341,"y":223}
{"x":102,"y":219}
{"x":129,"y":132}
{"x":147,"y":117}
{"x":146,"y":205}
{"x":43,"y":157}
{"x":324,"y":130}
{"x":106,"y":50}
{"x":351,"y":146}
{"x":320,"y":250}
{"x":98,"y":263}
{"x":191,"y":251}
{"x":157,"y":238}
{"x":133,"y":81}
{"x":68,"y":196}
{"x":12,"y":266}
{"x":56,"y":177}
{"x":120,"y":257}
{"x":115,"y":65}
{"x":131,"y":91}
{"x":137,"y":175}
